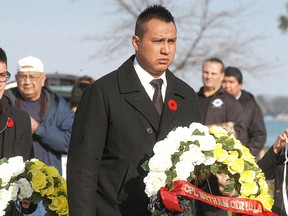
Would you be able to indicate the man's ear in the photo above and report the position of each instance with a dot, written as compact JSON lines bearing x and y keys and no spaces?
{"x":135,"y":42}
{"x":43,"y":80}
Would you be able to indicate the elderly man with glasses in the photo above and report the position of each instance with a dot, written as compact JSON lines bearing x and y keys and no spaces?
{"x":50,"y":115}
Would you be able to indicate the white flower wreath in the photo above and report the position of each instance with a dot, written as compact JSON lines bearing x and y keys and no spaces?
{"x":186,"y":149}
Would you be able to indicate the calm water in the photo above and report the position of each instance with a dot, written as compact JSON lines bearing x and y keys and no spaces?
{"x":274,"y":128}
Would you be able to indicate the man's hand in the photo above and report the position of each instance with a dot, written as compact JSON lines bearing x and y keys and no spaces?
{"x":25,"y":203}
{"x":229,"y":126}
{"x":280,"y":142}
{"x":34,"y":124}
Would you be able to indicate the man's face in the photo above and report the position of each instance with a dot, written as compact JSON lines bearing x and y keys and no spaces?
{"x":156,"y":49}
{"x":231,"y":85}
{"x":212,"y":75}
{"x":3,"y":70}
{"x":30,"y":84}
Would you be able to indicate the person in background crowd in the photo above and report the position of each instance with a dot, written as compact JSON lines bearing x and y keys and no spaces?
{"x":253,"y":118}
{"x":117,"y":122}
{"x":220,"y":108}
{"x":50,"y":115}
{"x":272,"y":164}
{"x":217,"y":106}
{"x":80,"y":84}
{"x":15,"y":127}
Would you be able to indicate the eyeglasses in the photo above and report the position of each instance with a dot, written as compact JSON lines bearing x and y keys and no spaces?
{"x":31,"y":77}
{"x":4,"y":76}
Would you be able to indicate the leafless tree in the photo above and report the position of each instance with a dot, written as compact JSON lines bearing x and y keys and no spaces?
{"x":202,"y":33}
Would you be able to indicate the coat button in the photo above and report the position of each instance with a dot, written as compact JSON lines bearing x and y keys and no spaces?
{"x":149,"y":130}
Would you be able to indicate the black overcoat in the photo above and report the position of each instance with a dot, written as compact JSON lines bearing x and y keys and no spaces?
{"x":17,"y":135}
{"x":116,"y":126}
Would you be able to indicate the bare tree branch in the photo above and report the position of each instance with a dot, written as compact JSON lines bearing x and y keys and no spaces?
{"x":283,"y":21}
{"x":202,"y":33}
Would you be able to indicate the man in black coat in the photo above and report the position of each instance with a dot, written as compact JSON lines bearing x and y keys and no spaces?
{"x":272,"y":164}
{"x":253,"y":118}
{"x":15,"y":128}
{"x":116,"y":123}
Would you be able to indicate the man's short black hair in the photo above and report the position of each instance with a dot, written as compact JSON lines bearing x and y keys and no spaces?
{"x":235,"y":72}
{"x":152,"y":12}
{"x":215,"y":60}
{"x":3,"y":57}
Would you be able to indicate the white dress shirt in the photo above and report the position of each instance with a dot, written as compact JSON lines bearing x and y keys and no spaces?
{"x":146,"y":78}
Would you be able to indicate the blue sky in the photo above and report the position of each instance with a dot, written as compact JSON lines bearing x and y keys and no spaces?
{"x":54,"y":31}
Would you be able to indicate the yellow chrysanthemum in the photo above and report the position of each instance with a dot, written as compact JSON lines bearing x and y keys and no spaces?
{"x":219,"y":153}
{"x":50,"y":189}
{"x":248,"y":189}
{"x":63,"y":210}
{"x":247,"y":176}
{"x":264,"y":188}
{"x":237,"y":167}
{"x":231,"y":158}
{"x":38,"y":165}
{"x":218,"y":131}
{"x":51,"y":171}
{"x":60,"y":189}
{"x":246,"y":154}
{"x":260,"y":175}
{"x":38,"y":180}
{"x":266,"y":201}
{"x":59,"y":203}
{"x":63,"y":186}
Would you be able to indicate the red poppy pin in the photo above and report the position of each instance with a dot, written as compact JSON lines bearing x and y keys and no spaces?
{"x":172,"y":105}
{"x":10,"y":122}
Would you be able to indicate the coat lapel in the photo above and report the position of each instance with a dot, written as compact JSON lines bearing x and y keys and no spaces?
{"x":135,"y":94}
{"x":174,"y":99}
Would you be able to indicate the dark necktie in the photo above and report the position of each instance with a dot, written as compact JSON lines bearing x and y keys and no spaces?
{"x":157,"y":97}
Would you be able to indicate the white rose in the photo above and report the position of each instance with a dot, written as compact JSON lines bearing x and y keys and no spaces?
{"x":5,"y":173}
{"x":25,"y":189}
{"x":209,"y":160}
{"x":207,"y":142}
{"x":5,"y":197}
{"x":13,"y":189}
{"x":194,"y":155}
{"x":160,"y":163}
{"x":154,"y":181}
{"x":183,"y":170}
{"x":166,"y":146}
{"x":180,"y":134}
{"x":200,"y":127}
{"x":3,"y":202}
{"x":17,"y":164}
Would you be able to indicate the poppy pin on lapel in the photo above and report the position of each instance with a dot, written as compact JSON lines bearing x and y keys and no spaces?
{"x":10,"y":122}
{"x":172,"y":105}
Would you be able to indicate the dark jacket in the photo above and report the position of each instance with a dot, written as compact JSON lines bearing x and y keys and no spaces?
{"x":17,"y":137}
{"x":220,"y":108}
{"x":254,"y":122}
{"x":115,"y":128}
{"x":217,"y":109}
{"x":54,"y":132}
{"x":273,"y":167}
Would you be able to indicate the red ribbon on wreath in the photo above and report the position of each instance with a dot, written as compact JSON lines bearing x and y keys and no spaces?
{"x":239,"y":205}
